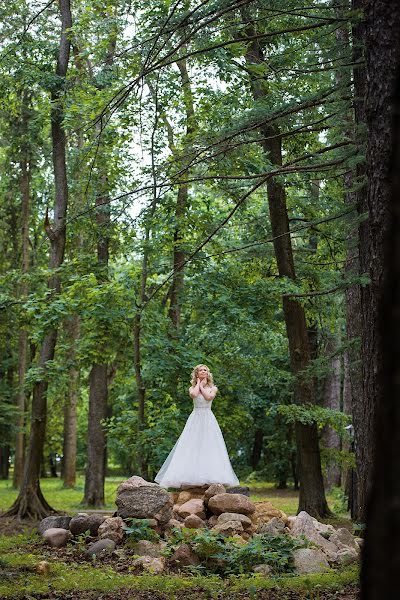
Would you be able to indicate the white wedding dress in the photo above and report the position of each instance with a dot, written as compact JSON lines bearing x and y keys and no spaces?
{"x":199,"y":455}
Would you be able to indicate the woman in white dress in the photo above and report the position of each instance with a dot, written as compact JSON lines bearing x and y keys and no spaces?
{"x":199,"y":456}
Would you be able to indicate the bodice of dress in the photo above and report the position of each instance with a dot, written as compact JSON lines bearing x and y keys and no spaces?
{"x":200,"y":402}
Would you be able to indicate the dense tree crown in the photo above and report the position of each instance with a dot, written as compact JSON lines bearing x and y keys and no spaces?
{"x":212,"y":159}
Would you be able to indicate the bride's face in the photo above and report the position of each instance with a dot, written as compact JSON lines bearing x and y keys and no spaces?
{"x":202,"y":373}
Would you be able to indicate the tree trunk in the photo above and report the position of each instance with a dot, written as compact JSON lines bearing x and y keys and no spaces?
{"x":312,"y":495}
{"x":95,"y":469}
{"x":4,"y":461}
{"x":181,"y":204}
{"x":332,"y":399}
{"x":381,"y":53}
{"x":257,"y":448}
{"x":98,"y":379}
{"x":381,"y":555}
{"x":70,"y":410}
{"x":23,"y":334}
{"x":30,"y":502}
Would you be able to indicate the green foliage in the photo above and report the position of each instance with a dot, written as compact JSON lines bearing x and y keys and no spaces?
{"x":227,"y":556}
{"x":139,"y":529}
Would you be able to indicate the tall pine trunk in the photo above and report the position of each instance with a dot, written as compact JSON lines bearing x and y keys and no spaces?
{"x":312,"y":495}
{"x":30,"y":502}
{"x":381,"y":556}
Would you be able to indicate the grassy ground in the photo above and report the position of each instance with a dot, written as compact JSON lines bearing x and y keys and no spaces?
{"x":22,"y":576}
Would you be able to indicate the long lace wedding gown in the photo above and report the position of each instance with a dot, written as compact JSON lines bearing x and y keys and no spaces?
{"x":199,"y":455}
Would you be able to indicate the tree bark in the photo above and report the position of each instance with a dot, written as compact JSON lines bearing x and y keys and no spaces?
{"x":381,"y":54}
{"x":30,"y":502}
{"x":23,"y":334}
{"x":257,"y":448}
{"x":332,"y":399}
{"x":70,"y":410}
{"x":312,"y":495}
{"x":381,"y":555}
{"x":178,"y":258}
{"x":98,"y":379}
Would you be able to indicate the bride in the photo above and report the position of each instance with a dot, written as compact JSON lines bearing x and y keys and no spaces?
{"x":199,"y":456}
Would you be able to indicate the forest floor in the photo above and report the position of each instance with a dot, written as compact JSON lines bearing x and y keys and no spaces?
{"x":72,"y":575}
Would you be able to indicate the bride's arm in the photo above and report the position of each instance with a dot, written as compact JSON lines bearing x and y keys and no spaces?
{"x":195,"y":390}
{"x":209,"y":393}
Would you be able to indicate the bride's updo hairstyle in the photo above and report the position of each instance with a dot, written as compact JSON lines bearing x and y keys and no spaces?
{"x":195,"y":371}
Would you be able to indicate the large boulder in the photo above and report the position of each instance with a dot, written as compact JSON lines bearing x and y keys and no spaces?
{"x":309,"y":560}
{"x":233,"y":503}
{"x":83,"y":522}
{"x":57,"y":536}
{"x":101,"y":547}
{"x":184,"y":557}
{"x":195,"y":506}
{"x":140,"y":499}
{"x":54,"y":522}
{"x":265,"y":511}
{"x":112,"y":529}
{"x":304,"y":526}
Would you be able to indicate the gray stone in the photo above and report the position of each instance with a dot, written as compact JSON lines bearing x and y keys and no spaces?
{"x":274,"y":527}
{"x":225,"y":517}
{"x":310,"y":560}
{"x":347,"y":556}
{"x":144,"y":502}
{"x":229,"y":528}
{"x":82,"y":523}
{"x":57,"y":521}
{"x":213,"y":490}
{"x":57,"y":536}
{"x":154,"y":565}
{"x":146,"y":548}
{"x":263,"y":569}
{"x":343,"y":539}
{"x":238,"y":489}
{"x":112,"y":529}
{"x":101,"y":547}
{"x":304,"y":526}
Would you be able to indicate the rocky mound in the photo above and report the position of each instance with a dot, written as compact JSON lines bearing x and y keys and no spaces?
{"x":228,"y":512}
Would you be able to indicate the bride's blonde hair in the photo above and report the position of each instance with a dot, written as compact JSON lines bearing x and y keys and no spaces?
{"x":210,"y":379}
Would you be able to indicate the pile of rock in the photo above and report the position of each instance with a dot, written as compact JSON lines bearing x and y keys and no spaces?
{"x":229,"y":512}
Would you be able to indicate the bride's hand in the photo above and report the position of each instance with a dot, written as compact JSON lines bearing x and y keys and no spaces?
{"x":198,"y":381}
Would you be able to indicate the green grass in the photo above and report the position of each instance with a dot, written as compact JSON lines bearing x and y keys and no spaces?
{"x":61,"y":498}
{"x":19,"y":579}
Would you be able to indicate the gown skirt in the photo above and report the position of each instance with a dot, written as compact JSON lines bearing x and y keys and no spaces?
{"x":199,"y":456}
